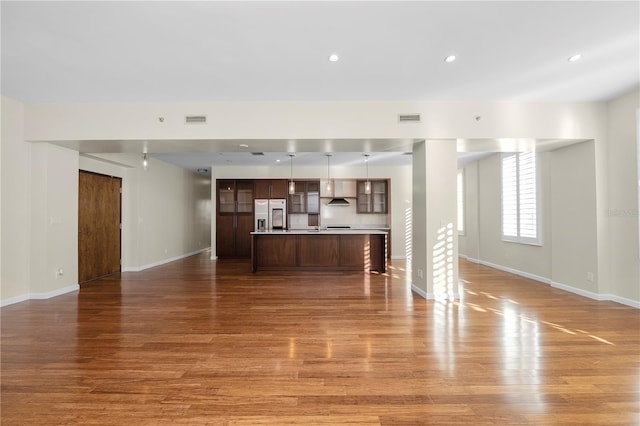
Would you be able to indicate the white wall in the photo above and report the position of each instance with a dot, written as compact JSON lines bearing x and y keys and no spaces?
{"x":573,"y":221}
{"x":468,"y":243}
{"x":622,"y":211}
{"x":568,"y":218}
{"x":54,"y":218}
{"x":435,"y":252}
{"x":39,"y":213}
{"x":295,"y":121}
{"x":16,"y":203}
{"x":534,"y":260}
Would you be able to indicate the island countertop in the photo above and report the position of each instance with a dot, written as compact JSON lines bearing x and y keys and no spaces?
{"x":319,"y":250}
{"x":323,"y":232}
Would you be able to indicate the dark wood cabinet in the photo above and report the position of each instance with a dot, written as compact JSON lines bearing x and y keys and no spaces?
{"x":269,"y":189}
{"x":320,"y":251}
{"x":298,"y":200}
{"x":375,"y":202}
{"x":306,"y":198}
{"x":234,"y":218}
{"x":313,"y":197}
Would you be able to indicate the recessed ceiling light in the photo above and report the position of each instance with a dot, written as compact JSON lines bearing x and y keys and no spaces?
{"x":244,"y":145}
{"x":333,"y":58}
{"x":574,"y":58}
{"x":450,"y":58}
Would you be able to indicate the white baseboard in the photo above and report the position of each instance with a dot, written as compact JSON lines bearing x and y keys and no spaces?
{"x":596,"y":296}
{"x":467,"y":258}
{"x":622,"y":300}
{"x":31,"y":296}
{"x":420,"y":292}
{"x":431,"y":296}
{"x":516,"y":272}
{"x":162,"y":262}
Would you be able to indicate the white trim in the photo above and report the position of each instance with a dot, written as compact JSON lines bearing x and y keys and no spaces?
{"x":36,"y":296}
{"x":560,"y":286}
{"x":515,"y":272}
{"x":14,"y":300}
{"x":468,"y":259}
{"x":162,"y":262}
{"x":622,"y":300}
{"x":420,"y":292}
{"x":430,"y":296}
{"x":596,"y":296}
{"x":578,"y":291}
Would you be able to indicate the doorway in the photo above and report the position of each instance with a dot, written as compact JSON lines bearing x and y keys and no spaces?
{"x":99,"y":219}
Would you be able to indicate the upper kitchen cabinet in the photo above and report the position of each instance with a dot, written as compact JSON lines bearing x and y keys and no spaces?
{"x":271,"y":188}
{"x":234,"y":219}
{"x":313,"y":197}
{"x":306,"y":198}
{"x":377,"y":200}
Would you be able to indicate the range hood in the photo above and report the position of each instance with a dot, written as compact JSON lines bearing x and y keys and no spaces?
{"x":338,"y":201}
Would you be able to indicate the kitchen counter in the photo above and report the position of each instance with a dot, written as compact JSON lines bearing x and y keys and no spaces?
{"x":321,"y":250}
{"x":323,"y":232}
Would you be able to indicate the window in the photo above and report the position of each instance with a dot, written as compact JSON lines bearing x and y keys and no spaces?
{"x":520,"y":216}
{"x":461,"y":201}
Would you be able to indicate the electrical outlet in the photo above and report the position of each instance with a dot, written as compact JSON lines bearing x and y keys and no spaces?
{"x":420,"y":273}
{"x":590,"y":276}
{"x":59,"y":273}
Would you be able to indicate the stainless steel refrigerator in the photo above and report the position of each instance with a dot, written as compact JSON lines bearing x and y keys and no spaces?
{"x":277,"y":214}
{"x":270,"y":215}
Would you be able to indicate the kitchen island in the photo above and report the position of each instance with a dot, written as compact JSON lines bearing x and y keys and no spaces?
{"x":319,"y":250}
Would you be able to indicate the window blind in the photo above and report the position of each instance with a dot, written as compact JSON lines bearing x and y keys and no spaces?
{"x":461,"y":201}
{"x":520,"y":198}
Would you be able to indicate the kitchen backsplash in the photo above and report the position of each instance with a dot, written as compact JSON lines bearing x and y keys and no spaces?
{"x":340,"y":215}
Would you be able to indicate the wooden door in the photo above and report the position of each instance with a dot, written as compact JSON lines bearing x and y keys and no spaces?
{"x":99,"y":217}
{"x":244,"y":227}
{"x":244,"y":218}
{"x":225,"y":235}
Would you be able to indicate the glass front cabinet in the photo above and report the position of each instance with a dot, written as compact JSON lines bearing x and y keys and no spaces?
{"x":375,"y":202}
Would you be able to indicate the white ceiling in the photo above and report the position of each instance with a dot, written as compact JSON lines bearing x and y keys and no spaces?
{"x":184,"y":51}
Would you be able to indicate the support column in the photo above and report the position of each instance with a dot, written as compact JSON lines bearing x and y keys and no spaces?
{"x":435,"y":241}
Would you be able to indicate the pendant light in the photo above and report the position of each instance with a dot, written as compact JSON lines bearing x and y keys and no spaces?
{"x":329,"y":183}
{"x":367,"y":183}
{"x":145,"y":161}
{"x":292,"y":184}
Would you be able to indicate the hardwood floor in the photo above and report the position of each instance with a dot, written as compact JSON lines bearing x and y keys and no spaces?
{"x":204,"y":342}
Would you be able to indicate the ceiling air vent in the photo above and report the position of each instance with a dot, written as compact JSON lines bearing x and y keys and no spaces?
{"x":409,"y":118}
{"x":193,"y":119}
{"x":257,"y":153}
